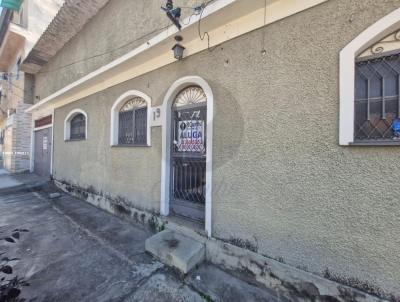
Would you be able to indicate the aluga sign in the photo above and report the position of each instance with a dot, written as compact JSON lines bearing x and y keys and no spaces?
{"x":191,"y":136}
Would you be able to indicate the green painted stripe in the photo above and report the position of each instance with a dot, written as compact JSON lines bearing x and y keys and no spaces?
{"x":11,"y":4}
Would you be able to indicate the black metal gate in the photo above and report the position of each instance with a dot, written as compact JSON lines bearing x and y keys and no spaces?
{"x":188,"y":154}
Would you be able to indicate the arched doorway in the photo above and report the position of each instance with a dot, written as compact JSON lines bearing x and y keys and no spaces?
{"x":189,"y":93}
{"x":188,"y":154}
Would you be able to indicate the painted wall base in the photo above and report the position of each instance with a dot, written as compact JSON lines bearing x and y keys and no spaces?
{"x":115,"y":206}
{"x":286,"y":280}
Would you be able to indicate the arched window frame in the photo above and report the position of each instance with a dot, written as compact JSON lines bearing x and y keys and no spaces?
{"x":67,"y":124}
{"x":348,"y":55}
{"x":118,"y":104}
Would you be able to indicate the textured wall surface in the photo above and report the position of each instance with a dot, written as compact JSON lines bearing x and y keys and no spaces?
{"x":280,"y":179}
{"x":122,"y":25}
{"x":133,"y":173}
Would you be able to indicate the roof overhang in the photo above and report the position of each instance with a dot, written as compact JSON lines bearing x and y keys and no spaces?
{"x":223,"y":20}
{"x":70,"y":19}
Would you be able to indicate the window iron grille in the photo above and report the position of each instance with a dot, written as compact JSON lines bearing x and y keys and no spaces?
{"x":377,"y":98}
{"x":132,"y":128}
{"x":78,"y":127}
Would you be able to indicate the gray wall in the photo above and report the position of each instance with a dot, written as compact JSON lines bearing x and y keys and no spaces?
{"x":119,"y":27}
{"x":280,"y":178}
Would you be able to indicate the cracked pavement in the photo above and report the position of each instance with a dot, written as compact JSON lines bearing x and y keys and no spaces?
{"x":76,"y":252}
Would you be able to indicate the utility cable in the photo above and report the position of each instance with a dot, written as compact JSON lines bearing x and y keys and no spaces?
{"x":107,"y":52}
{"x":205,"y":34}
{"x":203,"y":6}
{"x":201,"y":36}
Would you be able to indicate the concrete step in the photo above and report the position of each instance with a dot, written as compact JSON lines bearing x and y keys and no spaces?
{"x":187,"y":229}
{"x":177,"y":250}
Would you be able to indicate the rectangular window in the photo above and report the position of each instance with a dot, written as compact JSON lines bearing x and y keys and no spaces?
{"x":377,"y":99}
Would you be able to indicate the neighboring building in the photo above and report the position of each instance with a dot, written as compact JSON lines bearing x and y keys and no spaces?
{"x":19,"y":30}
{"x":278,"y":129}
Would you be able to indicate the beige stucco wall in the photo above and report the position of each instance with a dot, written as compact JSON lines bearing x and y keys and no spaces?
{"x":280,"y":178}
{"x":133,"y":173}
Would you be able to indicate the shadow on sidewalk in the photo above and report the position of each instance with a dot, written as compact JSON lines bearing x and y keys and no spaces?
{"x":12,"y":182}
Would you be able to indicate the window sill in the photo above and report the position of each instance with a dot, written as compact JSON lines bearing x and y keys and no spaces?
{"x":376,"y":143}
{"x":74,"y":140}
{"x":129,"y":146}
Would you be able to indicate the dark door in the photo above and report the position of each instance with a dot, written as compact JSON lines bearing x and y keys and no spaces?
{"x":188,"y":154}
{"x":42,"y":159}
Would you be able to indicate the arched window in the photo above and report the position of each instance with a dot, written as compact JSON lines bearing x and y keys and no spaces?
{"x":78,"y":127}
{"x":132,"y":126}
{"x":130,"y":119}
{"x":370,"y":85}
{"x":75,"y":126}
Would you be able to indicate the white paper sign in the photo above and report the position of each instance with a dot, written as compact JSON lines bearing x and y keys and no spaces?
{"x":45,"y":141}
{"x":191,"y":136}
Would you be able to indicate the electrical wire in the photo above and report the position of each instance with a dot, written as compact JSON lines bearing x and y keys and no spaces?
{"x":13,"y":92}
{"x":19,"y":88}
{"x":202,"y":5}
{"x":205,"y":34}
{"x":263,"y":31}
{"x":15,"y":86}
{"x":107,"y":52}
{"x":201,"y":36}
{"x":16,"y":94}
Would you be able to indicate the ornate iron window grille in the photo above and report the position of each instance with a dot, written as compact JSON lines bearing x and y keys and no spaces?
{"x":377,"y":99}
{"x":132,"y":128}
{"x":78,"y":127}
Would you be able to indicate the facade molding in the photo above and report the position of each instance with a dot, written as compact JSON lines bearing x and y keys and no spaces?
{"x":67,"y":123}
{"x":240,"y":17}
{"x":348,"y":55}
{"x":43,"y":127}
{"x":115,"y":114}
{"x":169,"y":98}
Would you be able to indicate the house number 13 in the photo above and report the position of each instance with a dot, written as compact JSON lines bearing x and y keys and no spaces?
{"x":156,"y":114}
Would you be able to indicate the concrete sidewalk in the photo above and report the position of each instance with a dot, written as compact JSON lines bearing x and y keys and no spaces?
{"x":10,"y":182}
{"x":69,"y":250}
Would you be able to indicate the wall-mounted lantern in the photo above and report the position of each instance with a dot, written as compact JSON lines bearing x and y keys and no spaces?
{"x":178,"y":48}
